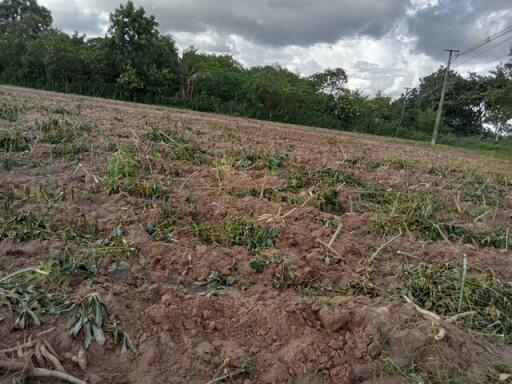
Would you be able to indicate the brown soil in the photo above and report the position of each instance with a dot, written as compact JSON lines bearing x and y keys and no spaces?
{"x":268,"y":323}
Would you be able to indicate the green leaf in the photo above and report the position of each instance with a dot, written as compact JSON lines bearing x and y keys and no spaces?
{"x":276,"y":259}
{"x":76,"y":327}
{"x":258,"y":265}
{"x":128,"y":344}
{"x":87,"y":335}
{"x":99,"y":335}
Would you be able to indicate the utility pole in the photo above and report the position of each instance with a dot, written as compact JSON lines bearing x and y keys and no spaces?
{"x":443,"y":92}
{"x":403,"y":111}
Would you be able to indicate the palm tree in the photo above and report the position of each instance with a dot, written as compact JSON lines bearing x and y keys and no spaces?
{"x":191,"y":69}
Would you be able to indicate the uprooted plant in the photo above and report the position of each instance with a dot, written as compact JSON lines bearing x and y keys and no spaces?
{"x":38,"y":359}
{"x":33,"y":293}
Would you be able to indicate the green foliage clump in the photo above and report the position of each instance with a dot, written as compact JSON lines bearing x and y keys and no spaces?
{"x":163,"y":227}
{"x":12,"y":140}
{"x":70,"y":149}
{"x":329,"y":201}
{"x":178,"y":147}
{"x":56,"y":131}
{"x":32,"y":293}
{"x":115,"y":245}
{"x":123,"y":172}
{"x":403,"y":211}
{"x":283,"y":277}
{"x":89,"y":316}
{"x":270,"y":193}
{"x":10,"y":112}
{"x":120,"y":337}
{"x":24,"y":226}
{"x":305,"y":178}
{"x":361,"y":287}
{"x":28,"y":295}
{"x":400,"y":162}
{"x":76,"y":111}
{"x":438,"y":289}
{"x":478,"y":190}
{"x":35,"y":292}
{"x":258,"y":265}
{"x":81,"y":230}
{"x":419,"y":213}
{"x":497,"y":238}
{"x":112,"y":145}
{"x":363,"y":161}
{"x":64,"y":264}
{"x":272,"y":161}
{"x":238,"y":231}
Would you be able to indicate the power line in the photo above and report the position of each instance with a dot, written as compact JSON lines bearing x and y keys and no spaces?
{"x":485,"y":41}
{"x":484,"y":51}
{"x":491,"y":64}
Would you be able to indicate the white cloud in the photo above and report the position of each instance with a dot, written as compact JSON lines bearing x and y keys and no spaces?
{"x":385,"y":45}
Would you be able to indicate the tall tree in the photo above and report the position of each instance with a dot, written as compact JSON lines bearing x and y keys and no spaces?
{"x":24,"y":17}
{"x":191,"y":69}
{"x":330,"y":81}
{"x":145,"y":62}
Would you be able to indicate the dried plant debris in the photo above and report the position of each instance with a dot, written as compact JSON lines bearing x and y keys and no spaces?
{"x":445,"y":290}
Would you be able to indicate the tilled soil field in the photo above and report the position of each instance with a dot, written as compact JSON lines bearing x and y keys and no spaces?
{"x":148,"y":245}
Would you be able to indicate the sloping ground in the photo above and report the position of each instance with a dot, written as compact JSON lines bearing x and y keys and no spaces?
{"x":234,"y":250}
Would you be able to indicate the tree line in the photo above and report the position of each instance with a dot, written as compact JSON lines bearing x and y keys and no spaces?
{"x":135,"y":62}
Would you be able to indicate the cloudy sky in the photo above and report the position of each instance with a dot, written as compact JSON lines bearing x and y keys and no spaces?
{"x":382,"y":44}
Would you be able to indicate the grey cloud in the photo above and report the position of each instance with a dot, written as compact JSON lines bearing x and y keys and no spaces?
{"x":458,"y":24}
{"x":72,"y":16}
{"x":268,"y":22}
{"x":307,"y":36}
{"x":282,"y":22}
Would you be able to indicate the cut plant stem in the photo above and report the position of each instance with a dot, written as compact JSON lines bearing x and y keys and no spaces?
{"x":463,"y":281}
{"x":331,"y":249}
{"x":26,"y":369}
{"x":482,"y":216}
{"x":21,"y":271}
{"x":376,"y":253}
{"x":336,"y":234}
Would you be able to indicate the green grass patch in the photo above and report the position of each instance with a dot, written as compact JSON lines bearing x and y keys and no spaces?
{"x":306,"y":178}
{"x":10,"y":112}
{"x":25,"y":226}
{"x":442,"y":289}
{"x":178,"y":147}
{"x":12,"y":140}
{"x":328,"y":200}
{"x":124,"y":173}
{"x":168,"y":220}
{"x":270,"y":193}
{"x":272,"y":161}
{"x":238,"y":231}
{"x":58,"y":131}
{"x":69,"y":150}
